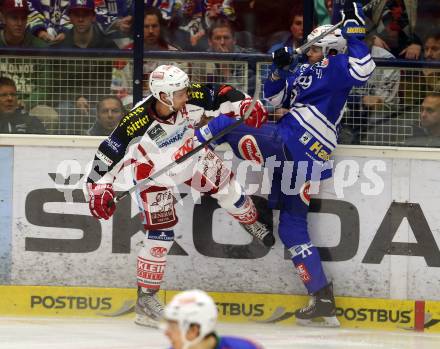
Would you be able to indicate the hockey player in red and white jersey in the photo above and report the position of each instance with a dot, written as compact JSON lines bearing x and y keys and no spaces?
{"x":155,"y":133}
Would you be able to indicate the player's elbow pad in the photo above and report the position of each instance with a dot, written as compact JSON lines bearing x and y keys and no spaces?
{"x":273,"y":91}
{"x":214,"y":126}
{"x":203,"y":134}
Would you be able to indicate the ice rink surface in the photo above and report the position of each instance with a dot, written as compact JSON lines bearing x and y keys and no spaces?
{"x":67,"y":333}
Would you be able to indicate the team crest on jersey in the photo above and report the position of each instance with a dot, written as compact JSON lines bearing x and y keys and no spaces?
{"x":249,"y":150}
{"x":160,"y":208}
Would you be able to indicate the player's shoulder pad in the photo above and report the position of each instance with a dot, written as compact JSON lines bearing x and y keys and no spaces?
{"x":201,"y":95}
{"x":135,"y":122}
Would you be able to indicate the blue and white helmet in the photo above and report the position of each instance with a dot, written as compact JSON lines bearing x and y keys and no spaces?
{"x":333,"y":41}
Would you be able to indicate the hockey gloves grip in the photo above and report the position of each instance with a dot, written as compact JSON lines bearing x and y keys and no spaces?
{"x":100,"y":195}
{"x":258,"y":115}
{"x":353,"y":19}
{"x":284,"y":63}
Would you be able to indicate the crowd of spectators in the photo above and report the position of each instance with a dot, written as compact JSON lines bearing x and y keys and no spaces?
{"x":69,"y":93}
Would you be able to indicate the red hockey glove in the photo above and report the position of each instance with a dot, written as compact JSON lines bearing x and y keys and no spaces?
{"x":100,"y":195}
{"x":257,"y":117}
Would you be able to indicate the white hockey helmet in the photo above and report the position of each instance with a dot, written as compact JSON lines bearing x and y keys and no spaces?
{"x":333,"y":41}
{"x":167,"y":79}
{"x":192,"y":307}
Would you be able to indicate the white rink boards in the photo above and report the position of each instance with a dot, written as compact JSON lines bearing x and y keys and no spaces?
{"x":51,"y":333}
{"x":385,"y":237}
{"x":35,"y":231}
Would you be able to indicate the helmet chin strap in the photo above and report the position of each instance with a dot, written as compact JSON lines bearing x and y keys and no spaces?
{"x":170,"y":105}
{"x":187,"y":343}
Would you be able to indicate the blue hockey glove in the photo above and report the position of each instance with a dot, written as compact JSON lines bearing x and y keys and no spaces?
{"x":284,"y":63}
{"x":353,"y":18}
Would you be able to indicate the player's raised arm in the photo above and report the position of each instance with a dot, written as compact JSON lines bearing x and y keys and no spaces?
{"x":283,"y":71}
{"x":230,"y":101}
{"x":361,"y":65}
{"x":226,"y":100}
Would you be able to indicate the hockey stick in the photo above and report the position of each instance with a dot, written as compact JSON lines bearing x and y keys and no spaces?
{"x":219,"y":135}
{"x":307,"y":45}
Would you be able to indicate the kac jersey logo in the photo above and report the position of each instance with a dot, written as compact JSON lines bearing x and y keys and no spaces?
{"x":158,"y":251}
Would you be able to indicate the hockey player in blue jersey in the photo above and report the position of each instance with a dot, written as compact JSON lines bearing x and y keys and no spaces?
{"x":315,"y":94}
{"x":189,"y":322}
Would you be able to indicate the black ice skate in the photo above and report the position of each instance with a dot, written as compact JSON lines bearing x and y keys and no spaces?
{"x":321,"y":311}
{"x":149,"y":310}
{"x":262,"y":229}
{"x":261,"y":232}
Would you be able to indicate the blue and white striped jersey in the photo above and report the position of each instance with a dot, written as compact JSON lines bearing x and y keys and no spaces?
{"x":316,"y":94}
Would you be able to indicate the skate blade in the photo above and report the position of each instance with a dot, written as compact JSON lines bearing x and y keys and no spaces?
{"x":143,"y":320}
{"x":323,"y":321}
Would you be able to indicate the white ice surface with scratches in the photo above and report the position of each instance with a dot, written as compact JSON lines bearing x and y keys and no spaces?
{"x":68,"y":333}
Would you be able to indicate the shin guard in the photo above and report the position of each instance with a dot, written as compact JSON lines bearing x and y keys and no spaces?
{"x":308,"y":264}
{"x":151,"y":261}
